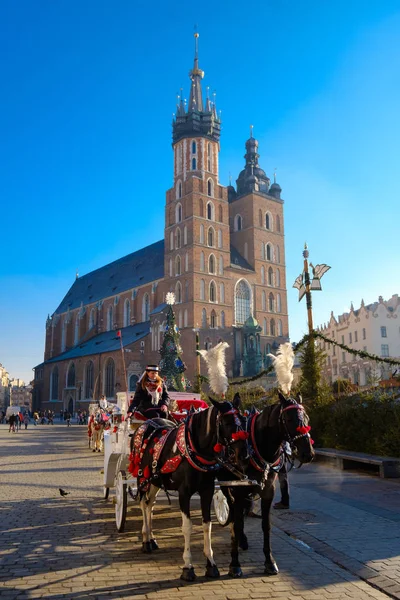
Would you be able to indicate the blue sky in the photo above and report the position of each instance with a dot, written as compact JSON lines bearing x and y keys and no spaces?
{"x":88,"y":92}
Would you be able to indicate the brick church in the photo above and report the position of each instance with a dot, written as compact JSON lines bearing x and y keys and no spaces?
{"x":222,"y":255}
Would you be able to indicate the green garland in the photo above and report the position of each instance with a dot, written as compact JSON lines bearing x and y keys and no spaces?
{"x":315,"y":334}
{"x":361,"y":353}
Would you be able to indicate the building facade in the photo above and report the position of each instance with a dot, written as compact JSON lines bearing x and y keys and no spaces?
{"x":222,"y":255}
{"x":374,"y":328}
{"x":5,"y":388}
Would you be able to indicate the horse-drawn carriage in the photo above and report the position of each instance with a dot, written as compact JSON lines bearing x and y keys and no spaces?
{"x":117,"y":451}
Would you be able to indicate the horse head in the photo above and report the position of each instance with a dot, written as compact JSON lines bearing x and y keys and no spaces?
{"x":231,"y":431}
{"x":295,"y":427}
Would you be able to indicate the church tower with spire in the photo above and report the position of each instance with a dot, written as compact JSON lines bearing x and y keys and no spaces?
{"x":197,"y":238}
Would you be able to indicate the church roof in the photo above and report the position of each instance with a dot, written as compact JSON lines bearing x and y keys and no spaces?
{"x":105,"y":342}
{"x":133,"y":270}
{"x":237,"y":260}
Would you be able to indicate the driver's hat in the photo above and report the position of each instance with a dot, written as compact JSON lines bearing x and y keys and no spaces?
{"x":152,"y":368}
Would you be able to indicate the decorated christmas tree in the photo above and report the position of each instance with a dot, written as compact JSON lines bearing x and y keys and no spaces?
{"x":172,"y":367}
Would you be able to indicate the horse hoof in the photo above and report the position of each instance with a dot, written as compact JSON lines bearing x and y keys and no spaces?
{"x":243,"y":543}
{"x":212,"y":571}
{"x":146,"y":548}
{"x":235,"y":572}
{"x":154,"y":545}
{"x":188,"y":574}
{"x":271,"y":568}
{"x":93,"y":450}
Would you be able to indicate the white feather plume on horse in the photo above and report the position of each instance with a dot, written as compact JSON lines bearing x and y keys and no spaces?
{"x":215,"y":359}
{"x":283,"y":364}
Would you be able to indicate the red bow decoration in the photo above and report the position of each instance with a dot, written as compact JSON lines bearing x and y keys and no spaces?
{"x":240,"y":435}
{"x":115,"y":429}
{"x":312,"y":442}
{"x":303,"y":429}
{"x":146,"y":472}
{"x":218,"y":448}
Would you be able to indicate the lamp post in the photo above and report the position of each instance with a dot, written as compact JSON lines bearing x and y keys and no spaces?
{"x":305,"y":285}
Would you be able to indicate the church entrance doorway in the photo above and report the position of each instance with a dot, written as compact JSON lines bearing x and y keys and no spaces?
{"x":71,"y":407}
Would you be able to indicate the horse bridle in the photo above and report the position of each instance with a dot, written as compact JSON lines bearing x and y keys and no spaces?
{"x":301,"y":413}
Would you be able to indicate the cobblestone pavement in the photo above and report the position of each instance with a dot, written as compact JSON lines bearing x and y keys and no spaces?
{"x":340,"y":539}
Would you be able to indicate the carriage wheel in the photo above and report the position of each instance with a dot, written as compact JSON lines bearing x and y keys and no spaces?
{"x":121,"y":500}
{"x":221,"y":508}
{"x":106,"y":492}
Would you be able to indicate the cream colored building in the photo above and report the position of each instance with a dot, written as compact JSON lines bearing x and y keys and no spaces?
{"x":4,"y":388}
{"x":374,"y":328}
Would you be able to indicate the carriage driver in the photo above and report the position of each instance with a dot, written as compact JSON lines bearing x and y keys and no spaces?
{"x":151,"y":397}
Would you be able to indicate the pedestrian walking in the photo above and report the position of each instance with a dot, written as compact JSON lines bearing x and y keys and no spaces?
{"x":11,"y":422}
{"x":26,"y":420}
{"x":68,"y":418}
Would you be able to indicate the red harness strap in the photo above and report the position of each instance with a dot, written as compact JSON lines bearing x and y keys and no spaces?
{"x":172,"y":463}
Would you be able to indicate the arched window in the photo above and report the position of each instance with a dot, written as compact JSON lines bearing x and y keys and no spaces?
{"x":270,"y":276}
{"x":219,"y":235}
{"x":146,"y":308}
{"x":263,"y":301}
{"x":127,"y":313}
{"x":210,"y":236}
{"x":265,"y":326}
{"x":202,"y":261}
{"x":194,"y":164}
{"x":238,"y":223}
{"x":109,"y":318}
{"x":209,"y":157}
{"x":242,"y":301}
{"x":63,"y":336}
{"x":177,"y":265}
{"x":260,"y":218}
{"x":180,"y":322}
{"x":179,"y":190}
{"x":171,"y":240}
{"x":71,"y":376}
{"x":269,"y":252}
{"x":213,"y":319}
{"x":202,"y":289}
{"x":204,"y":318}
{"x":109,"y":379}
{"x":268,"y":221}
{"x":211,"y":264}
{"x":186,"y":291}
{"x":221,"y":265}
{"x":210,"y":211}
{"x":278,"y":254}
{"x":170,"y":267}
{"x":178,"y":238}
{"x":210,"y":188}
{"x":278,"y":303}
{"x":89,"y":380}
{"x":201,"y":207}
{"x":223,"y":319}
{"x":221,"y":292}
{"x":246,"y":250}
{"x":201,"y":233}
{"x":178,"y":213}
{"x":272,"y":326}
{"x":278,"y":223}
{"x":271,"y":303}
{"x":133,"y":379}
{"x":54,"y":384}
{"x":178,"y":292}
{"x":91,"y":318}
{"x":194,"y":147}
{"x":278,"y":278}
{"x":76,"y":330}
{"x":262,"y":251}
{"x":186,"y":262}
{"x":185,"y":235}
{"x":213,"y":292}
{"x":185,"y":318}
{"x":262,"y":276}
{"x":280,"y":328}
{"x":220,"y":214}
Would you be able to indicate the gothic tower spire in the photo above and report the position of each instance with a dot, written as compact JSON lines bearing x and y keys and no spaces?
{"x":196,"y":75}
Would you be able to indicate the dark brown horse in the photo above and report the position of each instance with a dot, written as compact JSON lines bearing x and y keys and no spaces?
{"x":286,"y":421}
{"x":186,"y":459}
